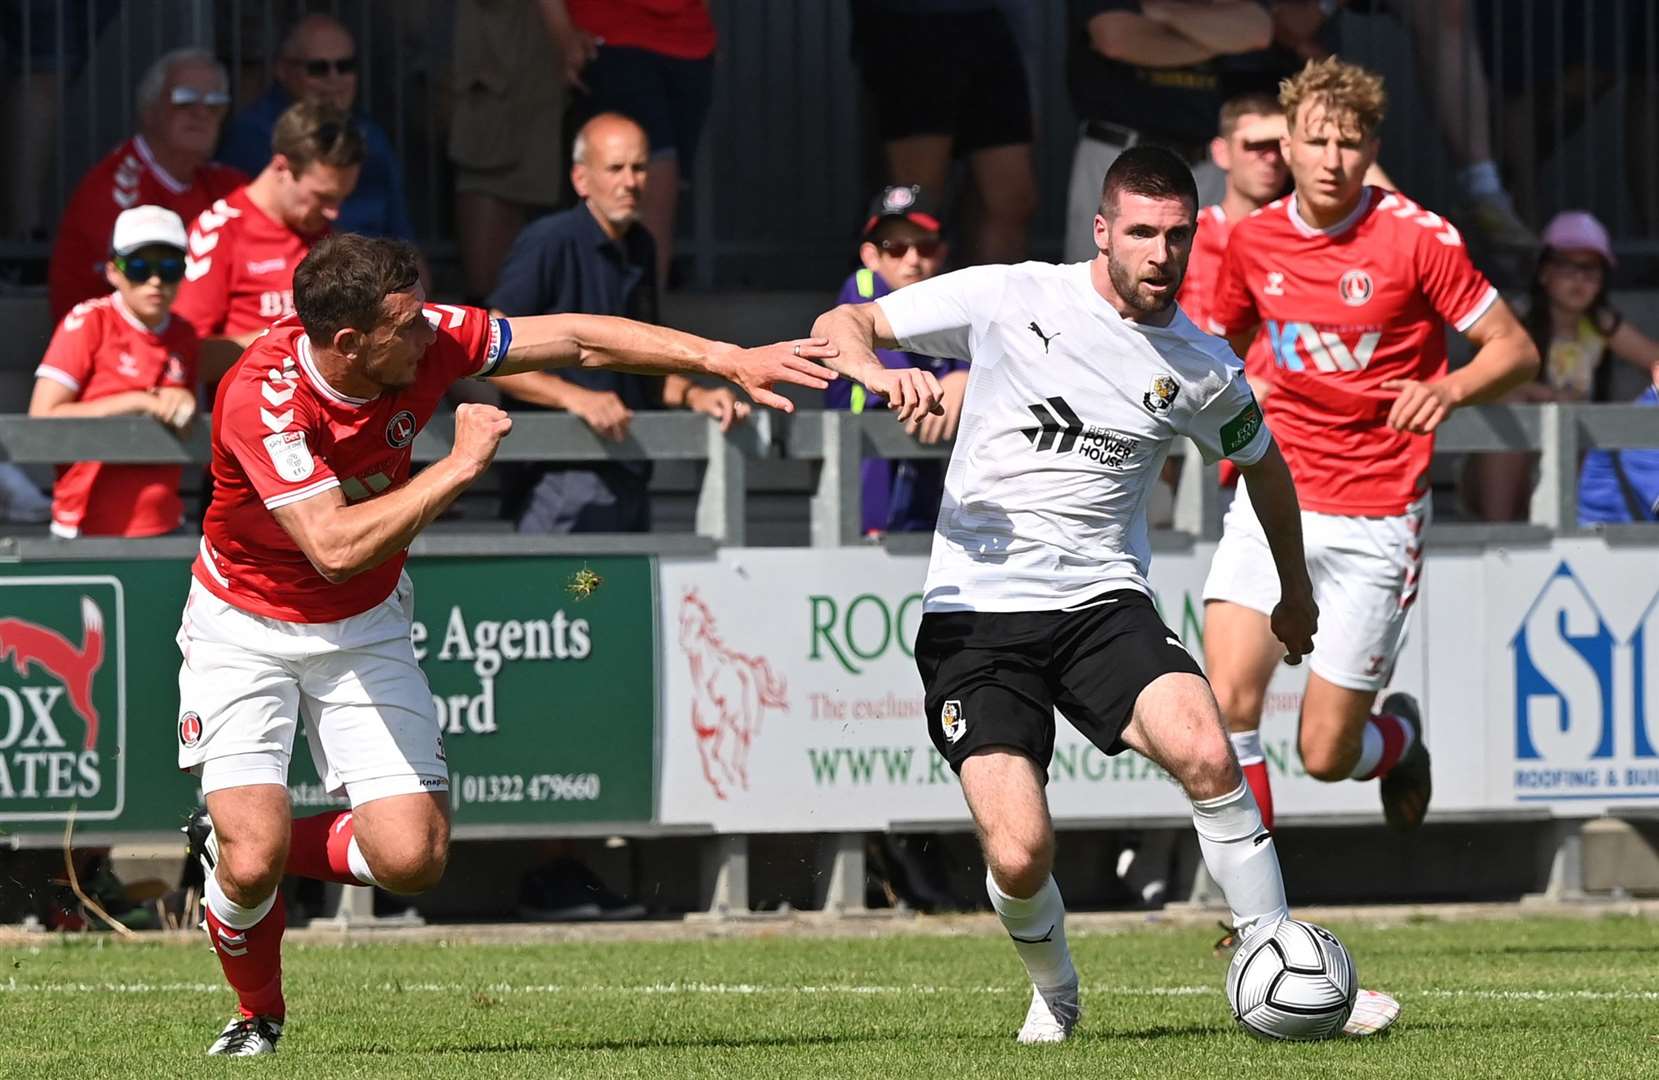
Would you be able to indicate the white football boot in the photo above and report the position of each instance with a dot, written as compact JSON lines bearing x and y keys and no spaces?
{"x":1374,"y":1013}
{"x":247,"y":1036}
{"x":1052,"y":1016}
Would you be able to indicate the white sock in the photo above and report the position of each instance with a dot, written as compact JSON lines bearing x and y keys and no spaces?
{"x":1481,"y":180}
{"x":1038,"y":927}
{"x":1248,"y":746}
{"x":1371,"y":745}
{"x":1240,"y":856}
{"x":231,"y":913}
{"x":358,"y":864}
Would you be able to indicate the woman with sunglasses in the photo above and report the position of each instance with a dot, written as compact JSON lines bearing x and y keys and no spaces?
{"x":124,"y":354}
{"x":1576,"y":328}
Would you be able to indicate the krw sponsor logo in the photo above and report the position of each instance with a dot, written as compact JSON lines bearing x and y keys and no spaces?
{"x":1326,"y":350}
{"x":62,"y":699}
{"x":1586,"y":703}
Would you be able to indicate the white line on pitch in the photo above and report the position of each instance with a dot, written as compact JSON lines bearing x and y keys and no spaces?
{"x":13,"y":986}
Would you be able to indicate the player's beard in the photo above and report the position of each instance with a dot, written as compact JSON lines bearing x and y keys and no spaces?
{"x":1129,"y":287}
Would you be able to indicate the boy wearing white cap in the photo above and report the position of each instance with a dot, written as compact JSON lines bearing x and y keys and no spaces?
{"x":124,"y":355}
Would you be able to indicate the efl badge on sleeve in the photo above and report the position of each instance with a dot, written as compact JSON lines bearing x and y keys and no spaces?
{"x":952,"y":721}
{"x":290,"y":456}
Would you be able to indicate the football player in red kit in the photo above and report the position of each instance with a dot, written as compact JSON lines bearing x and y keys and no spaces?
{"x":300,"y":605}
{"x":1341,"y":293}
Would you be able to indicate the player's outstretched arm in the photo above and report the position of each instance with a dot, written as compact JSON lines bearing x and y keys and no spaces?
{"x":855,"y":331}
{"x":541,"y":342}
{"x":1273,"y":494}
{"x":1505,"y":358}
{"x":345,"y":539}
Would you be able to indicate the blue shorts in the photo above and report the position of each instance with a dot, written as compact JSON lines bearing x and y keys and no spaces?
{"x":665,"y":95}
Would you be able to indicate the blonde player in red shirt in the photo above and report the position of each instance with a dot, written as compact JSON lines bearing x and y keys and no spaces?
{"x":244,"y":249}
{"x":181,"y":102}
{"x":123,"y":354}
{"x":1342,"y":293}
{"x":300,"y":606}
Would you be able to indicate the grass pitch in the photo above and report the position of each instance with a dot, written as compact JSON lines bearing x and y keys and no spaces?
{"x":1509,"y":998}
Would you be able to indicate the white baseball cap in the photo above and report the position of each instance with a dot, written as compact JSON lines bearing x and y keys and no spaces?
{"x":145,"y":225}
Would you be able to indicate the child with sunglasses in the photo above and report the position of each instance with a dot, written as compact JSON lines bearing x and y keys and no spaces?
{"x":124,"y":355}
{"x":901,"y":246}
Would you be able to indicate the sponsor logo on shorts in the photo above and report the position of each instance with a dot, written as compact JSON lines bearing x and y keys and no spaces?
{"x":400,"y":430}
{"x":1160,"y":396}
{"x":952,"y":721}
{"x":190,"y":729}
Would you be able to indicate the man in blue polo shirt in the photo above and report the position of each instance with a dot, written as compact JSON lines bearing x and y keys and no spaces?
{"x":318,"y":62}
{"x":596,"y":259}
{"x":901,"y":246}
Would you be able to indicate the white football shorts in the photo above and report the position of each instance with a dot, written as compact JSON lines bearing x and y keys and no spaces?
{"x":1365,"y":573}
{"x":246,"y":680}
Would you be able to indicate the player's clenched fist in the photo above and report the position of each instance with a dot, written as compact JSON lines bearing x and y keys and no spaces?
{"x":479,"y":430}
{"x":1295,"y":619}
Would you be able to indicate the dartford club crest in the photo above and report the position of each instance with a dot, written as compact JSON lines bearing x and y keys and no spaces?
{"x":952,"y":722}
{"x":400,"y":430}
{"x":1160,"y":397}
{"x":1355,"y":287}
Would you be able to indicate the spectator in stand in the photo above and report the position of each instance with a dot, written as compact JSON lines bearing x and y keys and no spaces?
{"x":243,"y":251}
{"x":1576,"y":328}
{"x":1450,"y":76}
{"x":318,"y":62}
{"x":901,"y":246}
{"x":1148,"y":72}
{"x":596,"y":258}
{"x":1617,"y":486}
{"x":123,"y":354}
{"x":653,"y":61}
{"x":948,"y":82}
{"x":506,"y":132}
{"x":181,"y":102}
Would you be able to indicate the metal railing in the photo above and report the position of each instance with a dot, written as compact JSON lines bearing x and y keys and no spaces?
{"x":839,"y":441}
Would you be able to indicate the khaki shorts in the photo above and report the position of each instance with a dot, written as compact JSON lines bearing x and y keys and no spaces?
{"x":505,"y":136}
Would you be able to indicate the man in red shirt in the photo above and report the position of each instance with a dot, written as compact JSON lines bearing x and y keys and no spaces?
{"x":300,"y":604}
{"x":243,"y":251}
{"x":123,"y":354}
{"x":181,"y":104}
{"x":1343,"y":292}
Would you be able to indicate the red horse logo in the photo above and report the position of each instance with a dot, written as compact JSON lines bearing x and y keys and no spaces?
{"x":730,"y":693}
{"x":28,"y":643}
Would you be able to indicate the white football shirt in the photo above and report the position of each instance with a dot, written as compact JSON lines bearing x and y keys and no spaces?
{"x":1069,"y":414}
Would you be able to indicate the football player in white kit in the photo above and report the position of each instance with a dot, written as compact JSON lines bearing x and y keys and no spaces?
{"x":1081,"y":376}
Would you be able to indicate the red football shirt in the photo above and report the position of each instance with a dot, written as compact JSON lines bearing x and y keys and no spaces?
{"x":239,"y":274}
{"x":101,"y":349}
{"x":677,"y":28}
{"x":129,"y":176}
{"x":282,"y":434}
{"x":1209,"y":243}
{"x":1341,"y":311}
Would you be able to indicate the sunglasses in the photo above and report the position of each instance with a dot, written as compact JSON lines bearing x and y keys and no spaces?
{"x":185,"y":96}
{"x":139,"y":271}
{"x":317,"y":69}
{"x":898,"y":249}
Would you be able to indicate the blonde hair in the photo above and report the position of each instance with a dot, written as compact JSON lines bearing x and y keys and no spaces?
{"x":1353,"y":96}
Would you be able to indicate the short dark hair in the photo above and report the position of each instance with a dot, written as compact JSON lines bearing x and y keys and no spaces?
{"x":1252,"y":104}
{"x":1147,"y":170}
{"x":313,"y":133}
{"x":344,"y":280}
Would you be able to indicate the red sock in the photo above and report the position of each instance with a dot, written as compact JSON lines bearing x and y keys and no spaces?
{"x":1255,"y":774}
{"x":252,"y":960}
{"x":317,"y":848}
{"x":1395,"y":739}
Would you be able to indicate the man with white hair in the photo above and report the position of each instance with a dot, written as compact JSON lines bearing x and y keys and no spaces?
{"x":318,"y":61}
{"x":181,"y":103}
